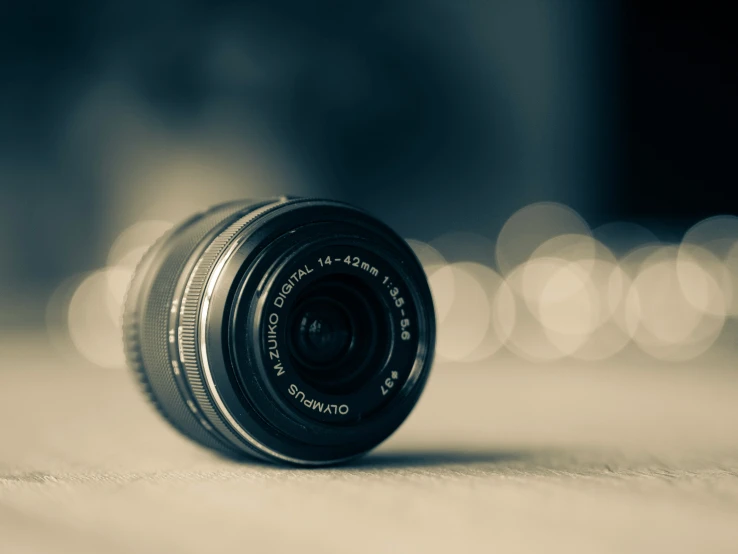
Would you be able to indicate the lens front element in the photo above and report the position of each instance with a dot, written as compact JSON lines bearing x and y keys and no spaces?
{"x":322,"y":333}
{"x":349,"y":322}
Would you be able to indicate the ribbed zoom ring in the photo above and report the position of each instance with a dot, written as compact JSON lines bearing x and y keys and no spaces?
{"x":191,"y":355}
{"x":146,"y":321}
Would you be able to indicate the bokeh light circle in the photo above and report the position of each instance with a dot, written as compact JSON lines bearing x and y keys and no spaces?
{"x":713,"y":240}
{"x":131,"y":244}
{"x":467,"y":321}
{"x":609,"y":335}
{"x":502,"y":310}
{"x":530,"y":227}
{"x":529,"y":339}
{"x":93,"y":330}
{"x":717,"y":234}
{"x":662,"y":320}
{"x":705,"y":280}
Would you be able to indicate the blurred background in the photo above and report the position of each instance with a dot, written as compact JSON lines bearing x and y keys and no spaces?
{"x":481,"y":130}
{"x":566,"y":172}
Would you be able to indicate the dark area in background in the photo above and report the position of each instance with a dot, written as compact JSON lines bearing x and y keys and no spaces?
{"x":456,"y":114}
{"x":679,"y":107}
{"x":435,"y":116}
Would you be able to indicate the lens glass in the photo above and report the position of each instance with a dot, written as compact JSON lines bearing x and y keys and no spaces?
{"x":338,"y":333}
{"x":322,"y":332}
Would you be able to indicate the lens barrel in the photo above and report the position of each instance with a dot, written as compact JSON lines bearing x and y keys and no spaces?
{"x":293,"y":330}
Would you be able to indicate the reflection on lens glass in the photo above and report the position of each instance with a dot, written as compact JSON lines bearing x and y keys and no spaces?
{"x":322,"y":333}
{"x":338,"y":333}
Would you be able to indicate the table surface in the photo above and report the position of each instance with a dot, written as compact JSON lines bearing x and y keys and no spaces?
{"x":626,"y":456}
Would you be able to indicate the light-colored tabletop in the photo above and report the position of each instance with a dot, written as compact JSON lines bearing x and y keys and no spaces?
{"x":501,"y":456}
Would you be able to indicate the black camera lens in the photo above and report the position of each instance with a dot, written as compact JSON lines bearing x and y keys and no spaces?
{"x":294,"y":330}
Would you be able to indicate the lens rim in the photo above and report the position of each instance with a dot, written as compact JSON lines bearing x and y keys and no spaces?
{"x":155,"y":325}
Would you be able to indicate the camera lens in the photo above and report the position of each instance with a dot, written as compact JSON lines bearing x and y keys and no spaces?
{"x":292,"y":330}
